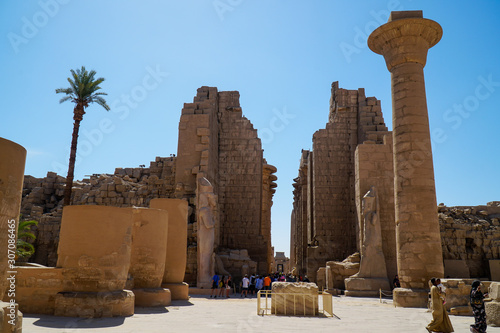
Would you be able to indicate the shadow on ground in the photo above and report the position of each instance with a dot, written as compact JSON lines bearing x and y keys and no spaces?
{"x":72,"y":322}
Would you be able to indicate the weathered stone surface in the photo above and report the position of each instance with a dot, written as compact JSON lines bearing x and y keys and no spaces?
{"x":9,"y":314}
{"x":342,"y":270}
{"x":149,"y":246}
{"x":493,"y":313}
{"x":495,"y":270}
{"x":95,"y":248}
{"x":37,"y":287}
{"x":95,"y":304}
{"x":12,"y":159}
{"x":410,"y":298}
{"x":294,"y":298}
{"x":175,"y":260}
{"x":152,"y":297}
{"x":178,"y":291}
{"x":494,"y":291}
{"x":456,"y":268}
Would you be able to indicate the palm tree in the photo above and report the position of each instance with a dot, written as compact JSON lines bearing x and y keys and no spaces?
{"x":82,"y":91}
{"x":24,"y":249}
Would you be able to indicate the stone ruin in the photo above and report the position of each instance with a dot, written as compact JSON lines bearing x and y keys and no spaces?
{"x":353,"y":153}
{"x":356,"y":152}
{"x":216,"y":142}
{"x":209,"y":212}
{"x":12,"y":160}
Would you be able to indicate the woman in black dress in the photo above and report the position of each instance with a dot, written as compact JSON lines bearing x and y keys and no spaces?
{"x":477,"y":304}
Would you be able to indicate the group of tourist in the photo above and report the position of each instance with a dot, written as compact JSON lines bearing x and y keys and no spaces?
{"x":224,"y":285}
{"x":440,"y":320}
{"x":250,"y":285}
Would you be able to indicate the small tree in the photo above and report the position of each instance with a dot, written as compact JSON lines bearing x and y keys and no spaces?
{"x":25,"y":249}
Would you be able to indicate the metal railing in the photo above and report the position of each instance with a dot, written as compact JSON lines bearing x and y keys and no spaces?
{"x":303,"y":304}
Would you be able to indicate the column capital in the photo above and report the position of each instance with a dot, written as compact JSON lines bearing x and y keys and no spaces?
{"x":405,"y":38}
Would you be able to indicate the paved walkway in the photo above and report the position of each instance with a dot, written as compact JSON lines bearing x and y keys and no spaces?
{"x":201,"y":314}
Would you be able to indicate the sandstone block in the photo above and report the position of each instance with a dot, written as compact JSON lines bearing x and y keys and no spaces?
{"x":95,"y":304}
{"x":493,"y":313}
{"x":494,"y":291}
{"x":294,"y":298}
{"x":5,"y":311}
{"x":152,"y":297}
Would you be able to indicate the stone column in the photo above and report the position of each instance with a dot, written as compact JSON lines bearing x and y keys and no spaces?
{"x":404,"y":42}
{"x":12,"y":159}
{"x":176,"y":258}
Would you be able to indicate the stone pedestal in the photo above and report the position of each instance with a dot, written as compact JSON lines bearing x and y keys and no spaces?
{"x":294,"y":299}
{"x":410,"y":298}
{"x":152,"y":297}
{"x":95,"y":304}
{"x":365,"y":287}
{"x":178,"y":291}
{"x":404,"y":42}
{"x":176,"y":257}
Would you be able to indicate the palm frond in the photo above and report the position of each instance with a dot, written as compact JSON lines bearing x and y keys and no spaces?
{"x":26,"y":235}
{"x":65,"y":98}
{"x":64,"y":90}
{"x":25,"y":245}
{"x":102,"y":102}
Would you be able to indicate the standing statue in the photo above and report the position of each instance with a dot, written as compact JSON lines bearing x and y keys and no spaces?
{"x":372,"y":255}
{"x":372,"y":274}
{"x":206,"y":207}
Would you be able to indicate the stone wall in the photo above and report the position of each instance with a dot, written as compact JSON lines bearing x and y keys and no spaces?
{"x":240,"y":182}
{"x":218,"y":142}
{"x":330,"y":183}
{"x":374,"y":167}
{"x":42,"y":198}
{"x":299,"y":224}
{"x":470,"y":235}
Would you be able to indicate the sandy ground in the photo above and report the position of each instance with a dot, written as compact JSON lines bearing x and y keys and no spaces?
{"x":202,"y":314}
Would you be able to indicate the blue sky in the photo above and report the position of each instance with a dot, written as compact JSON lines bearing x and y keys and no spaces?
{"x":282,"y":56}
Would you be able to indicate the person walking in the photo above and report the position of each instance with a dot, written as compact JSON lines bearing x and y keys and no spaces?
{"x":215,"y":285}
{"x":222,"y":285}
{"x":229,"y":285}
{"x":395,"y":282}
{"x":440,"y":320}
{"x":267,"y":282}
{"x":245,"y":283}
{"x":478,"y":310}
{"x":259,"y":284}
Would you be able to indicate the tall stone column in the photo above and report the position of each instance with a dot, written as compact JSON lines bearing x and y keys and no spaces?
{"x":12,"y":159}
{"x":404,"y":41}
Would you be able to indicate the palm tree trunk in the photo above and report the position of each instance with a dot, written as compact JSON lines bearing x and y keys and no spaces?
{"x":72,"y":159}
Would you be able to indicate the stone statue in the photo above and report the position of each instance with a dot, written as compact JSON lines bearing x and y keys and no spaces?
{"x":206,"y":207}
{"x":372,"y":256}
{"x":372,"y":274}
